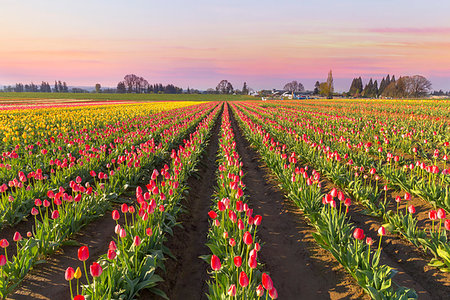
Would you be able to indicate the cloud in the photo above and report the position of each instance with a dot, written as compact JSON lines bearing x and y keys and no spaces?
{"x":411,"y":30}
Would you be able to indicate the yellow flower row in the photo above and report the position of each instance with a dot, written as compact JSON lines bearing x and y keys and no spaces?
{"x":28,"y":126}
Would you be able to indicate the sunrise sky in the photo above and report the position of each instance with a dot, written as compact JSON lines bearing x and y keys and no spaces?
{"x":198,"y":43}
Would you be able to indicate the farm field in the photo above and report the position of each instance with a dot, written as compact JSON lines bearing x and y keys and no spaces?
{"x":310,"y":199}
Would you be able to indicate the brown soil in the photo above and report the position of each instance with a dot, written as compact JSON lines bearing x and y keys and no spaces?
{"x":185,"y":277}
{"x":300,"y":269}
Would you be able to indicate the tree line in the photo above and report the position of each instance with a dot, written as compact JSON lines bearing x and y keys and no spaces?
{"x":404,"y":87}
{"x":44,"y":87}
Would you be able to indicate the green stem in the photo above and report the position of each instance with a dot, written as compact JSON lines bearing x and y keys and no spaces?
{"x":85,"y":271}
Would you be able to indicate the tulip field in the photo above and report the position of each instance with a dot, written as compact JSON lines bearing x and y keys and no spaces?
{"x":309,"y":199}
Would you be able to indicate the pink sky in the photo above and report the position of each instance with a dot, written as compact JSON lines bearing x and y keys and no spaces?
{"x":197,"y":46}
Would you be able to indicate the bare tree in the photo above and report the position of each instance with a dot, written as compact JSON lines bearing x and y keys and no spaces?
{"x":294,"y":86}
{"x":417,"y":86}
{"x":224,"y":87}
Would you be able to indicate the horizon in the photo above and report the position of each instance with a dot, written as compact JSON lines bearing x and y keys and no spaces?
{"x":198,"y":44}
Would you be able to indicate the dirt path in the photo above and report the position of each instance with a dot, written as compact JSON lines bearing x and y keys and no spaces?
{"x":187,"y":275}
{"x":300,"y":269}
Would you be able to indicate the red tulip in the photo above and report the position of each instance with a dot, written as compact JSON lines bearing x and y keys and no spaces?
{"x":348,"y":202}
{"x":411,"y":209}
{"x":124,"y":208}
{"x":112,"y":246}
{"x":232,"y":242}
{"x":4,"y":243}
{"x":215,"y":263}
{"x":273,"y":293}
{"x":237,"y":261}
{"x":232,"y":290}
{"x":248,"y":240}
{"x":381,"y":231}
{"x":257,"y":220}
{"x":2,"y":260}
{"x":136,"y":241}
{"x":243,"y":279}
{"x":212,"y":214}
{"x":407,"y":196}
{"x":447,"y":224}
{"x":111,"y":254}
{"x":17,"y":237}
{"x":69,"y":273}
{"x":79,"y":297}
{"x":432,"y":214}
{"x":115,"y":215}
{"x":369,"y":241}
{"x":148,"y":232}
{"x":252,"y":262}
{"x":83,"y":253}
{"x":34,"y":211}
{"x":358,"y":234}
{"x":241,"y":225}
{"x":122,"y":233}
{"x":259,"y":291}
{"x":267,"y":282}
{"x":441,"y":213}
{"x":96,"y":269}
{"x":55,"y":214}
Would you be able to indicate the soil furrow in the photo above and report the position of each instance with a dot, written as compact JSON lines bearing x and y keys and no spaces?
{"x":300,"y":269}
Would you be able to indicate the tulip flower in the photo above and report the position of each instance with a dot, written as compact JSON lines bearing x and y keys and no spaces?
{"x":115,"y":215}
{"x":96,"y":269}
{"x":232,"y":242}
{"x":3,"y":260}
{"x":55,"y":214}
{"x":83,"y":255}
{"x":79,"y":297}
{"x":358,"y":234}
{"x":447,"y":224}
{"x":69,"y":275}
{"x":247,"y":238}
{"x":232,"y":290}
{"x":111,"y":254}
{"x":243,"y":279}
{"x":215,"y":263}
{"x":273,"y":293}
{"x":136,"y":241}
{"x":237,"y":261}
{"x":148,"y":231}
{"x":259,"y":291}
{"x":212,"y":214}
{"x":252,"y":262}
{"x":267,"y":282}
{"x":411,"y":209}
{"x":17,"y":237}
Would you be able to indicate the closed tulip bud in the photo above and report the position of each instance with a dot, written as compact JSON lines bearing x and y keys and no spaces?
{"x":447,"y":224}
{"x":112,"y":246}
{"x":55,"y":214}
{"x":2,"y":260}
{"x":17,"y":237}
{"x":46,"y":203}
{"x":441,"y":213}
{"x":77,"y":274}
{"x":117,"y":228}
{"x":333,"y":204}
{"x":273,"y":293}
{"x":216,"y":223}
{"x":237,"y":261}
{"x":334,"y":192}
{"x":79,"y":297}
{"x":212,"y":214}
{"x":232,"y":290}
{"x":259,"y":291}
{"x":232,"y":242}
{"x":257,"y":220}
{"x":111,"y":254}
{"x":115,"y":215}
{"x":398,"y":199}
{"x":215,"y":263}
{"x":252,"y":262}
{"x":136,"y":241}
{"x":243,"y":279}
{"x":358,"y":234}
{"x":267,"y":282}
{"x":257,"y":247}
{"x":432,"y":214}
{"x":34,"y":211}
{"x":83,"y":253}
{"x":69,"y":273}
{"x":4,"y":243}
{"x":122,"y":233}
{"x":407,"y":196}
{"x":96,"y":269}
{"x":381,"y":231}
{"x":411,"y":209}
{"x":247,"y":238}
{"x":369,"y":241}
{"x":348,"y":202}
{"x":124,"y":208}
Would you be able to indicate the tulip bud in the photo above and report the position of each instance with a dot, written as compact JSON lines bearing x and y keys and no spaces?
{"x":243,"y":279}
{"x":259,"y":291}
{"x":111,"y":254}
{"x":17,"y":237}
{"x":358,"y":234}
{"x":267,"y":282}
{"x":215,"y":263}
{"x":69,"y":273}
{"x":237,"y":261}
{"x":83,"y":253}
{"x":232,"y":290}
{"x":96,"y":269}
{"x":77,"y":274}
{"x":441,"y":213}
{"x":411,"y":209}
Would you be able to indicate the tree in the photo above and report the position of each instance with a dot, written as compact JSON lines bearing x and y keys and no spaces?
{"x":224,"y":87}
{"x":316,"y":88}
{"x":98,"y":88}
{"x":294,"y":86}
{"x":121,"y":88}
{"x":417,"y":86}
{"x":245,"y":89}
{"x":330,"y":85}
{"x":324,"y":89}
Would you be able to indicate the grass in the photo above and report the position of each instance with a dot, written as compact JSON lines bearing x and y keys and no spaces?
{"x":124,"y":97}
